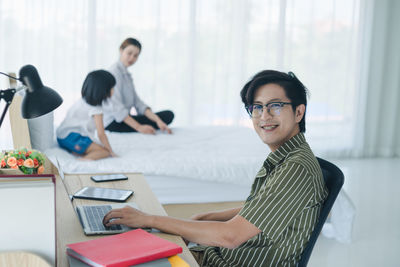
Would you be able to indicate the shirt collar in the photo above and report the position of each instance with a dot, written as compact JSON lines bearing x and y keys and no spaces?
{"x":122,"y":67}
{"x":278,"y":155}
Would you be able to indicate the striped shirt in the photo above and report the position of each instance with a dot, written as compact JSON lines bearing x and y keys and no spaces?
{"x":284,"y":203}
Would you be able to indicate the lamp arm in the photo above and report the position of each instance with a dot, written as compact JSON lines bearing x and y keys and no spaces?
{"x":8,"y":96}
{"x":9,"y":76}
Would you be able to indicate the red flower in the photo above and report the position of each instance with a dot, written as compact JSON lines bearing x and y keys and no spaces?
{"x":26,"y":155}
{"x":3,"y":163}
{"x":35,"y":163}
{"x":20,"y":162}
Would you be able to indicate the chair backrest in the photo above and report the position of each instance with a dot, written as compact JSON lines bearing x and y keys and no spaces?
{"x":334,"y":180}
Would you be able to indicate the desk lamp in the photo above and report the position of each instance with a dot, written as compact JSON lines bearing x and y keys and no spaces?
{"x":38,"y":100}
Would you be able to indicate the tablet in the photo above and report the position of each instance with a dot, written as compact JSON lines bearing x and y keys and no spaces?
{"x":108,"y":177}
{"x":99,"y":193}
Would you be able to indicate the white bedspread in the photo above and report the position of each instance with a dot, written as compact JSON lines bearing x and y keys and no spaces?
{"x":213,"y":153}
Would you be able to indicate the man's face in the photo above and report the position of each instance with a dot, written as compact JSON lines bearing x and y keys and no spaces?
{"x":275,"y":130}
{"x":129,"y":55}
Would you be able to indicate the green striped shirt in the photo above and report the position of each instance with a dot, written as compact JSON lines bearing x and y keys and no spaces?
{"x":284,"y":203}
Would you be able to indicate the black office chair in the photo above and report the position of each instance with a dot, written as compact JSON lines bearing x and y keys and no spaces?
{"x":334,"y":180}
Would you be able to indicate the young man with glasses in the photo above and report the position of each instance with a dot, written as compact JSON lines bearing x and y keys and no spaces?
{"x":275,"y":223}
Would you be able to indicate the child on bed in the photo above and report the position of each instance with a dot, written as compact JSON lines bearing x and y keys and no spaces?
{"x":77,"y":132}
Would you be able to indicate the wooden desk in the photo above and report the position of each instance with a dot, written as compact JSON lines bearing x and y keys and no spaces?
{"x":69,"y":229}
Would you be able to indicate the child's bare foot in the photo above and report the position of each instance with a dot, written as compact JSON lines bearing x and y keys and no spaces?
{"x":84,"y":159}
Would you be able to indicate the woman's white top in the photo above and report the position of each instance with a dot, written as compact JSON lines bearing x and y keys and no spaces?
{"x":124,"y":98}
{"x":80,"y":120}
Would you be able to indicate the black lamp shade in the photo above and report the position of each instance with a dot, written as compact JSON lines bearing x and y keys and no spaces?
{"x":39,"y":102}
{"x":39,"y":99}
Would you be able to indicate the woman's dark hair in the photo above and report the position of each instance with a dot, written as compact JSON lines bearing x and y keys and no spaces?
{"x":130,"y":41}
{"x":294,"y":89}
{"x":97,"y":87}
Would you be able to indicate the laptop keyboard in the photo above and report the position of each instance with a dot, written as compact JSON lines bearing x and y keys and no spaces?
{"x":95,"y":215}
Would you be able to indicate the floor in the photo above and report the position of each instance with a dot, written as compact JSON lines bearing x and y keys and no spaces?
{"x":373,"y":186}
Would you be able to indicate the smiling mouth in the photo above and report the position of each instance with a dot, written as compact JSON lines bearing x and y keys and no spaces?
{"x":270,"y":127}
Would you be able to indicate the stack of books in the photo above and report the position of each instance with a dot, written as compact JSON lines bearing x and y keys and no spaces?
{"x":136,"y":247}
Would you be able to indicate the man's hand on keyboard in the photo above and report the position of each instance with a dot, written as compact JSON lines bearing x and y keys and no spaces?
{"x":128,"y":216}
{"x":114,"y":226}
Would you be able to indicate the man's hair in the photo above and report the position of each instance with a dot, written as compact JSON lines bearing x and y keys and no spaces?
{"x":294,"y":89}
{"x":97,"y":87}
{"x":131,"y":41}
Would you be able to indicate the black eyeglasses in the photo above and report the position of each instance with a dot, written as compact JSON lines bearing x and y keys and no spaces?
{"x":273,"y":108}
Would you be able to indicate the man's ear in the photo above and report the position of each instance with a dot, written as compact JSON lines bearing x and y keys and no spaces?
{"x":300,"y":109}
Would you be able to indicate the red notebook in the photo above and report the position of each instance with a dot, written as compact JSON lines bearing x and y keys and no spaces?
{"x":133,"y":247}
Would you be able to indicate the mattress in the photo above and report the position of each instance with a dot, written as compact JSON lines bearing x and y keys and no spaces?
{"x":223,"y":154}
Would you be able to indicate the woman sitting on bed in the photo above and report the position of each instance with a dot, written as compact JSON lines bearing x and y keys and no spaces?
{"x":77,"y":131}
{"x":117,"y":116}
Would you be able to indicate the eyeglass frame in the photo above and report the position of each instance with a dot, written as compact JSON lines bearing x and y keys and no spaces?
{"x":281,"y":105}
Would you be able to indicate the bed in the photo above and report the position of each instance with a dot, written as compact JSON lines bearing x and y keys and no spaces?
{"x":193,"y":165}
{"x":180,"y":168}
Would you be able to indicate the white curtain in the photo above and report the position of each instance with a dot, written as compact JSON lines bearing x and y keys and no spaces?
{"x":378,"y":120}
{"x":197,"y":55}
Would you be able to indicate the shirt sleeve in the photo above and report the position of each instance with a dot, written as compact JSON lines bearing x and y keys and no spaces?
{"x":95,"y":110}
{"x":286,"y":193}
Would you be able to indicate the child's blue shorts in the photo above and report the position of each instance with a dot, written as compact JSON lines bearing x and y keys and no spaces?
{"x":75,"y":142}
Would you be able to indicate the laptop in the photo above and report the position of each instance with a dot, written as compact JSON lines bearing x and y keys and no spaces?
{"x":91,"y":218}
